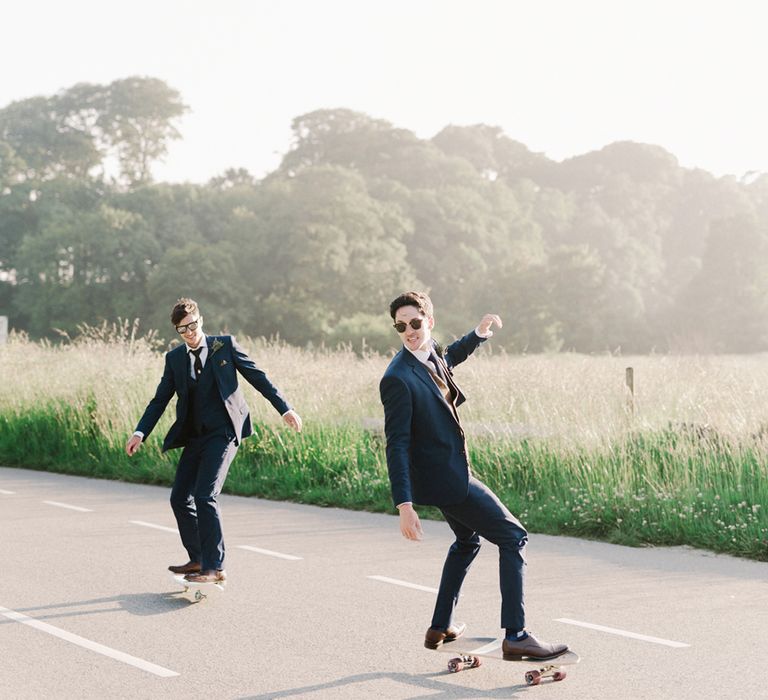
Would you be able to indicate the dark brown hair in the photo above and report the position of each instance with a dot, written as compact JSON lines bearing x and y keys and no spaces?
{"x":418,"y":299}
{"x":182,"y":308}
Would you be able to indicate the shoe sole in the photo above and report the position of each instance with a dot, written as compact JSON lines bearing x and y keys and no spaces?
{"x":528,"y":657}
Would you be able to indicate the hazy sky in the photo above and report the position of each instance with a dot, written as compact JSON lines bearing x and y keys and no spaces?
{"x":562,"y":76}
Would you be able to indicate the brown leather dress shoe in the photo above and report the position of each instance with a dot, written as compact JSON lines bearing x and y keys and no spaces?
{"x":208,"y":576}
{"x":435,"y":638}
{"x":531,"y":648}
{"x":190,"y":567}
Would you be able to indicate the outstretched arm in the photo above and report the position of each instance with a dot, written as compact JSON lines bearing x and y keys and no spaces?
{"x":460,"y":350}
{"x":163,"y":394}
{"x":257,"y":378}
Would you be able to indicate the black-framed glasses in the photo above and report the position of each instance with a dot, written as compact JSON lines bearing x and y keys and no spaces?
{"x":192,"y":326}
{"x":414,"y":323}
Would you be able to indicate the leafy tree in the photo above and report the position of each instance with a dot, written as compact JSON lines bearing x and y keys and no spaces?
{"x":725,"y":307}
{"x":137,"y":121}
{"x":208,"y":275}
{"x":82,"y":266}
{"x":325,"y":250}
{"x":72,"y":133}
{"x":37,"y":131}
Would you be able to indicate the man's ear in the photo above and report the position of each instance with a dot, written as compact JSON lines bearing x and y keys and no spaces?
{"x":431,"y":322}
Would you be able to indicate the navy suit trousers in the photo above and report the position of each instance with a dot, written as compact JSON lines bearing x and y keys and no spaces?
{"x":200,"y":476}
{"x":482,"y":514}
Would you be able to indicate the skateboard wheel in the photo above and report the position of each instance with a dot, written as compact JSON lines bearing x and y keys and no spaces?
{"x":558,"y":675}
{"x":475,"y":662}
{"x":199,"y":595}
{"x":533,"y":677}
{"x":455,"y":665}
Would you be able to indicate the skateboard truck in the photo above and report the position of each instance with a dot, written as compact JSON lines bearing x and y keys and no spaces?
{"x":195,"y":591}
{"x":467,"y":652}
{"x":532,"y":677}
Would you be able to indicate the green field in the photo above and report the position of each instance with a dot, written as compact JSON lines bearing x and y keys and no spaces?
{"x":554,"y":435}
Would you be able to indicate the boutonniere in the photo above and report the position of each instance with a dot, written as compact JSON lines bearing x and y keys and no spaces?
{"x":222,"y":363}
{"x":216,"y":345}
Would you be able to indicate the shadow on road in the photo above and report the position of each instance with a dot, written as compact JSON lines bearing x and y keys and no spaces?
{"x":436,"y":689}
{"x":134,"y":603}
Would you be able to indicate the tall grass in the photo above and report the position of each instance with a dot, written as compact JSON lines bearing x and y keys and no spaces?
{"x":551,"y":434}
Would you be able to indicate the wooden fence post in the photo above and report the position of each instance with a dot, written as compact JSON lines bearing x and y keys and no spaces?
{"x":629,"y":379}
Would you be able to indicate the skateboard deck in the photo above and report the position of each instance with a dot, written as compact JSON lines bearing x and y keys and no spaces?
{"x":195,"y":592}
{"x":467,"y":652}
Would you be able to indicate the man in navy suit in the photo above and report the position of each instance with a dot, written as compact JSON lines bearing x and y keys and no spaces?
{"x":211,"y":420}
{"x":428,"y":465}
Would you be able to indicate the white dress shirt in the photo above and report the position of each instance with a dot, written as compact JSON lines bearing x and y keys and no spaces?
{"x":203,"y":356}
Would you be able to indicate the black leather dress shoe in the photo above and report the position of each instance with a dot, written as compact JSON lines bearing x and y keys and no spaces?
{"x":436,"y":638}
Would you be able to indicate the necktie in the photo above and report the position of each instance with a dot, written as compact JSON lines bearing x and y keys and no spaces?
{"x":436,"y":365}
{"x":445,"y":390}
{"x":198,"y":362}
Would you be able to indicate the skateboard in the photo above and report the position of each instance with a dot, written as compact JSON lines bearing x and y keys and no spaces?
{"x":468,"y":651}
{"x":196,"y":592}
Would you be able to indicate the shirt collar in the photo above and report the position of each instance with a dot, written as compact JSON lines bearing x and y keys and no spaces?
{"x":421,"y":355}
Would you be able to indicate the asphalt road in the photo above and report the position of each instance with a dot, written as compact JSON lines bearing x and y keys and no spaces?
{"x":88,"y":610}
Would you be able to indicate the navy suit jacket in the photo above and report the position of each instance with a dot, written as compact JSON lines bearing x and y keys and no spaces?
{"x":426,"y":450}
{"x":227,"y":358}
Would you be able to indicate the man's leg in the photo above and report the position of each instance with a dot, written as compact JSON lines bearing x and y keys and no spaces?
{"x":489,"y":517}
{"x":217,"y":452}
{"x":460,"y":557}
{"x":183,"y":502}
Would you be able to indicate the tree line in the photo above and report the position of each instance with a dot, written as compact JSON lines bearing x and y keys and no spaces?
{"x":617,"y":249}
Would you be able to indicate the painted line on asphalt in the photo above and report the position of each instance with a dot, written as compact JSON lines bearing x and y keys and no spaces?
{"x":7,"y":493}
{"x":405,"y":584}
{"x":269,"y":552}
{"x":155,"y":527}
{"x":88,"y":644}
{"x":66,"y":505}
{"x":623,"y":633}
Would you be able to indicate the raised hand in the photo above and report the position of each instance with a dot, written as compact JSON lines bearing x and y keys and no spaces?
{"x":484,"y":327}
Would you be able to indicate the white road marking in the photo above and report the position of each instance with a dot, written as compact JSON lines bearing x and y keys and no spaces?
{"x":7,"y":493}
{"x":623,"y":633}
{"x":88,"y":644}
{"x":405,"y":584}
{"x":66,"y":505}
{"x":156,"y":527}
{"x":279,"y":555}
{"x":488,"y":648}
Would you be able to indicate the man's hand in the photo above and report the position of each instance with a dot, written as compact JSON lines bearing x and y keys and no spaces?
{"x":293,"y":419}
{"x":132,"y":447}
{"x":484,"y":327}
{"x":410,"y":525}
